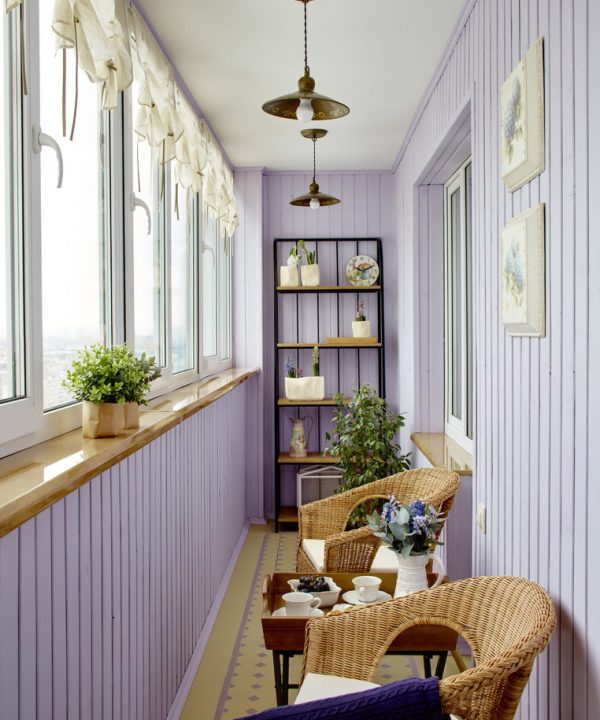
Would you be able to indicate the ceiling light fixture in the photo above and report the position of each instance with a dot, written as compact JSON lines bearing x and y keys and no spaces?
{"x":306,"y":105}
{"x":314,"y":198}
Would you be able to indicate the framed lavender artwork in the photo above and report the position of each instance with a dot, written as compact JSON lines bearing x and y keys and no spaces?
{"x":522,"y":119}
{"x":523,"y":274}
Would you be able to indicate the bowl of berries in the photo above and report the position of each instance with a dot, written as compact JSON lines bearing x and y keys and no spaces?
{"x":318,"y":586}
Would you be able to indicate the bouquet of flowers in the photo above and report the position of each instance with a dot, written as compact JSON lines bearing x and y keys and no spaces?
{"x":407,"y":529}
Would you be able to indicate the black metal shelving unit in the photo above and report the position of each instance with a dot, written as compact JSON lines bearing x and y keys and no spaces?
{"x":350,"y":247}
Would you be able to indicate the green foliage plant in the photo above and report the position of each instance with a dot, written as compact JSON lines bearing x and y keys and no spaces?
{"x":364,"y":440}
{"x":110,"y":375}
{"x":310,"y":256}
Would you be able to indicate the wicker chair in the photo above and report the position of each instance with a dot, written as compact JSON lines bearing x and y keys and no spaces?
{"x":354,"y":550}
{"x":507,"y":621}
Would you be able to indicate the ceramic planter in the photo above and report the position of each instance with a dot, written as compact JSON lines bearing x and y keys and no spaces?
{"x":311,"y":276}
{"x":361,"y":328}
{"x":288,"y":276}
{"x":306,"y":388}
{"x":102,"y":419}
{"x":132,"y":415}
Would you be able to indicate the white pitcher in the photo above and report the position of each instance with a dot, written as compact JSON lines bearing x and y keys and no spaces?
{"x":299,"y":439}
{"x":412,"y":573}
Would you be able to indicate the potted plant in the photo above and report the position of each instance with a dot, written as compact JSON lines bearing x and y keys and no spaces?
{"x":311,"y":276}
{"x":141,"y":372}
{"x":304,"y":388}
{"x":364,"y":440}
{"x":288,"y":274}
{"x":361,"y":327}
{"x":104,"y":379}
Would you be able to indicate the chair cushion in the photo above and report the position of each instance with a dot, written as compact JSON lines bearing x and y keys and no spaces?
{"x":318,"y":687}
{"x":411,"y":699}
{"x":385,"y":559}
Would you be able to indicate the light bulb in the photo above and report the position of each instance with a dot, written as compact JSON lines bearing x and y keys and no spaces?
{"x":314,"y":203}
{"x":304,"y":112}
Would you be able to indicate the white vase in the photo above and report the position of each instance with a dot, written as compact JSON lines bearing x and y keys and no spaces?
{"x":311,"y":275}
{"x":412,"y":574}
{"x":288,"y":276}
{"x":306,"y":388}
{"x":361,"y":328}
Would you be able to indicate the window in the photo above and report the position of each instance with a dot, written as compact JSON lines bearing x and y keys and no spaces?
{"x":458,"y":333}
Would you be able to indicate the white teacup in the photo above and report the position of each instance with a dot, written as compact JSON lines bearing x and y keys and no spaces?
{"x":299,"y":604}
{"x":367,"y":587}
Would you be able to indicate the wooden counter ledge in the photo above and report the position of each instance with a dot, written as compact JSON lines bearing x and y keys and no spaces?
{"x":442,"y":451}
{"x":33,"y":479}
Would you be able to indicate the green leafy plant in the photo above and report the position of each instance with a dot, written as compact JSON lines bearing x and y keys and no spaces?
{"x":315,"y":360}
{"x":364,"y":440}
{"x":293,"y":257}
{"x":310,"y":256}
{"x":110,"y":375}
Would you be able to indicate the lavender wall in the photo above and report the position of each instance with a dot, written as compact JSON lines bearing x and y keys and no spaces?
{"x":103,"y":596}
{"x":537,"y":400}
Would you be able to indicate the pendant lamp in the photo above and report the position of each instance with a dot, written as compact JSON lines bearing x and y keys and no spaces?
{"x":306,"y":105}
{"x":313,"y":197}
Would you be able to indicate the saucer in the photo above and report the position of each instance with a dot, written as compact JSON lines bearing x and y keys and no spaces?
{"x":351,"y":596}
{"x":315,"y":612}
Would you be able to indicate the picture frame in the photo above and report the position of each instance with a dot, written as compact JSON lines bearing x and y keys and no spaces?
{"x":523,"y":272}
{"x":522,"y":141}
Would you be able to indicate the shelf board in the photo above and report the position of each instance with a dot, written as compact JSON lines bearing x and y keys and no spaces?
{"x":288,"y":515}
{"x":310,"y":459}
{"x":291,"y":346}
{"x":328,"y":289}
{"x":326,"y":402}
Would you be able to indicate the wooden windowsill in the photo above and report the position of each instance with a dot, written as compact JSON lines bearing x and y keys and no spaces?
{"x":33,"y":479}
{"x":442,"y":451}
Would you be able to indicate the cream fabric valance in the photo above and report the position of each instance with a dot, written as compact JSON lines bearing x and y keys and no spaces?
{"x":97,"y":30}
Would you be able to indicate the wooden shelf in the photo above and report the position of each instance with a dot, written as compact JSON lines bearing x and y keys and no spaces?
{"x":288,"y":514}
{"x":329,"y":288}
{"x":326,"y":402}
{"x":293,"y":346}
{"x":310,"y":459}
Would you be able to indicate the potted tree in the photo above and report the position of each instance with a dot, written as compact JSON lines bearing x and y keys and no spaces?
{"x":364,"y":440}
{"x":104,"y":379}
{"x":310,"y":274}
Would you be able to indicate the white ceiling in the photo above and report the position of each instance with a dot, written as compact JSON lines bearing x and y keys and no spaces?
{"x":376,"y":56}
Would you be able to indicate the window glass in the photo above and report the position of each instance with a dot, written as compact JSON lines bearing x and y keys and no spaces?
{"x":226,"y":297}
{"x":182,"y":278}
{"x":74,"y":267}
{"x":209,"y":285}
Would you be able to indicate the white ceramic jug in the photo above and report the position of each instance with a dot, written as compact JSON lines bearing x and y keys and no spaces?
{"x":299,"y":439}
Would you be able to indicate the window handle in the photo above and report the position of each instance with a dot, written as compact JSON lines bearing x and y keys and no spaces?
{"x":138,"y":202}
{"x":40,"y":139}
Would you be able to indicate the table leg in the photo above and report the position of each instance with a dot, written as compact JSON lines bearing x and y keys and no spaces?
{"x":427,"y":664}
{"x":441,"y":664}
{"x":285,"y":685}
{"x":277,"y":673}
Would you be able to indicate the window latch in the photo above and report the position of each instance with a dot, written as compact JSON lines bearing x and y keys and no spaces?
{"x":138,"y":202}
{"x":41,"y":139}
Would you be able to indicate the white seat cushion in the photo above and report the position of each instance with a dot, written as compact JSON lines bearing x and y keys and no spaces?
{"x":319,"y":687}
{"x":385,"y":560}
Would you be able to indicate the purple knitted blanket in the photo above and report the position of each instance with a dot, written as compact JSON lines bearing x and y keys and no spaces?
{"x":411,"y":699}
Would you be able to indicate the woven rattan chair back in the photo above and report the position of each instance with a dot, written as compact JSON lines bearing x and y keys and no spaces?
{"x":507,"y":622}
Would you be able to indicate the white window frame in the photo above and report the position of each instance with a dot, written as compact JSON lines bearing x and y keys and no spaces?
{"x":456,"y":427}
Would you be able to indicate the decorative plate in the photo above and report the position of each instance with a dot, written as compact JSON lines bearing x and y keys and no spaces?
{"x":314,"y":612}
{"x":362,"y":270}
{"x":351,"y":596}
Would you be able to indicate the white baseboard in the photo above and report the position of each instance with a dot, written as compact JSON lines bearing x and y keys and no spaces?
{"x":194,"y":664}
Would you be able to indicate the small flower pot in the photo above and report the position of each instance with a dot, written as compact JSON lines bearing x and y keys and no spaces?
{"x":361,"y":328}
{"x":102,"y":419}
{"x":132,"y":415}
{"x":311,"y":276}
{"x":306,"y":388}
{"x":288,"y":276}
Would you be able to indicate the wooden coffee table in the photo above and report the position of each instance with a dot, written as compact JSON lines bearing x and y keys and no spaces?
{"x":285,"y":636}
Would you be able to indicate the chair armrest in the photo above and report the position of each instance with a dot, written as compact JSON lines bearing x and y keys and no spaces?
{"x":320,"y":519}
{"x":350,"y":551}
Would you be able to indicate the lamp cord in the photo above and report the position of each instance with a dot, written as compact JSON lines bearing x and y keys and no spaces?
{"x":314,"y":158}
{"x":306,"y":68}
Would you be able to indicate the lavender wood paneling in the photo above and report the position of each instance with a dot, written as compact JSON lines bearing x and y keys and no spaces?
{"x":537,"y":400}
{"x":366,"y":210}
{"x":103,"y":595}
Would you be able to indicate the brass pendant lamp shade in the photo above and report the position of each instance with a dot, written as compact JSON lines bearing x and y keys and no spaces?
{"x":305,"y":104}
{"x":313,"y":197}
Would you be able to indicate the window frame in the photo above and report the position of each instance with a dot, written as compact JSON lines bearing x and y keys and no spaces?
{"x":457,"y":427}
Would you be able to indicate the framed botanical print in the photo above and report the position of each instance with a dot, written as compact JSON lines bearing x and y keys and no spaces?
{"x":522,"y":119}
{"x":523,"y":274}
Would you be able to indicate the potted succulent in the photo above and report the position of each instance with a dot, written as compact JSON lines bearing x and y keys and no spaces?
{"x":361,"y":327}
{"x":104,"y":379}
{"x":138,"y":386}
{"x":304,"y":388}
{"x":311,"y":276}
{"x":364,"y":440}
{"x":288,"y":274}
